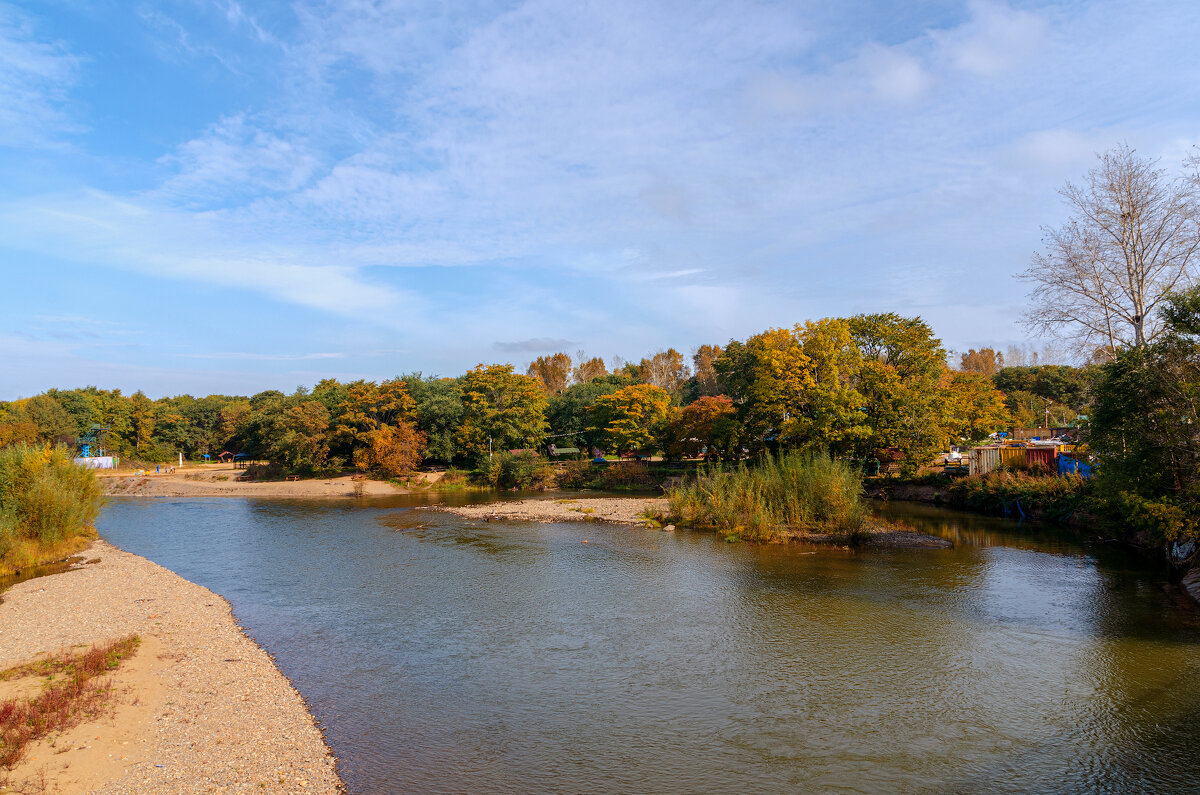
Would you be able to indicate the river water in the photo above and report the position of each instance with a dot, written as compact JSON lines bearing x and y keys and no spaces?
{"x":443,"y":655}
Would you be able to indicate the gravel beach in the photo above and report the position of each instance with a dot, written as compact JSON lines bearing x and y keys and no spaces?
{"x":621,"y":510}
{"x":199,"y":708}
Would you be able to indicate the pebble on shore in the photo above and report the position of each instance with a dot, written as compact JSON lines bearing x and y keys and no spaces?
{"x":217,"y":715}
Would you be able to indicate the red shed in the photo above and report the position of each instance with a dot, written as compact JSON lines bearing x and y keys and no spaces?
{"x":1043,"y":457}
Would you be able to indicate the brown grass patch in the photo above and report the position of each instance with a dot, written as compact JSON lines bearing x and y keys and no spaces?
{"x":71,"y":693}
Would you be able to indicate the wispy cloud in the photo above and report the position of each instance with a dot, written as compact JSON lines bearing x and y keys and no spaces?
{"x":534,"y":345}
{"x":35,"y":76}
{"x":265,"y":357}
{"x":626,"y":174}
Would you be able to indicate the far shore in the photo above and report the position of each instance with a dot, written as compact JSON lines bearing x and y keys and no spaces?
{"x":222,"y":481}
{"x":635,"y":510}
{"x":198,"y":708}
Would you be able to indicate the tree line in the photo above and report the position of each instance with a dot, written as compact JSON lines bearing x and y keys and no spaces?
{"x":854,"y":386}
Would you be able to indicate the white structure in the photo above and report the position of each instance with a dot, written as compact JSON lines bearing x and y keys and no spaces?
{"x":98,"y":462}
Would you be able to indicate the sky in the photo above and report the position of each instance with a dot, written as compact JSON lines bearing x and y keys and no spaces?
{"x":207,"y":196}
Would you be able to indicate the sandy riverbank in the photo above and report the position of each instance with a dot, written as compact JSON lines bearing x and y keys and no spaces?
{"x":633,"y":510}
{"x":223,"y":482}
{"x":199,"y":708}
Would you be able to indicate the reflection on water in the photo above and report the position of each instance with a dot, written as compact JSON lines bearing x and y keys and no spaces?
{"x":444,"y":655}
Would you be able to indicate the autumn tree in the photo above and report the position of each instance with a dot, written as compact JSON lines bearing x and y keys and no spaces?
{"x":709,"y":424}
{"x":366,"y":407}
{"x":141,"y":421}
{"x":567,"y":413}
{"x":393,"y":451}
{"x":795,"y":387}
{"x":665,"y":370}
{"x":630,"y":418}
{"x":985,"y":361}
{"x":1133,"y":236}
{"x":588,"y":369}
{"x":703,"y":371}
{"x":975,"y":408}
{"x":503,"y":406}
{"x":552,"y":372}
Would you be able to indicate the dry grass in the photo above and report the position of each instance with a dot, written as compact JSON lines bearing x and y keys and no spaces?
{"x":73,"y":690}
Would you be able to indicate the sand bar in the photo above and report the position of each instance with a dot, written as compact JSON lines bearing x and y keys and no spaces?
{"x":223,"y":482}
{"x":199,"y":708}
{"x":633,"y":510}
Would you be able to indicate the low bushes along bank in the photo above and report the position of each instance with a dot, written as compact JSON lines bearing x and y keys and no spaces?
{"x":48,"y":505}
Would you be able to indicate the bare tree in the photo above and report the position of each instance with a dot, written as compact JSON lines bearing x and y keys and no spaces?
{"x":665,"y":369}
{"x":1133,"y":237}
{"x":588,"y":368}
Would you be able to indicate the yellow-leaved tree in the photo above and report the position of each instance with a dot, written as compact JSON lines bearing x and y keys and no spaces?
{"x":630,"y":418}
{"x":503,"y":406}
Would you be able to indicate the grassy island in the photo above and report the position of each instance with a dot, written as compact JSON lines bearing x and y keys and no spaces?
{"x":794,"y":494}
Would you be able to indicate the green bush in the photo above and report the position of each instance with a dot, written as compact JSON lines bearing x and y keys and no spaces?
{"x":626,"y":475}
{"x":1055,"y":498}
{"x":806,"y":492}
{"x":1155,"y":518}
{"x":47,"y":504}
{"x":517,"y":471}
{"x":578,"y":474}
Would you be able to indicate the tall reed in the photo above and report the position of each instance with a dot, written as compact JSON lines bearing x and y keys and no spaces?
{"x":47,"y":503}
{"x":794,"y":492}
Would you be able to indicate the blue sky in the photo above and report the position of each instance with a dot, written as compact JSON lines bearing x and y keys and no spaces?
{"x":206,"y":196}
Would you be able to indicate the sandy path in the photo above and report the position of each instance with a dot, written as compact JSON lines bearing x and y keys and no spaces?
{"x":621,"y":510}
{"x":223,"y":483}
{"x":200,"y":707}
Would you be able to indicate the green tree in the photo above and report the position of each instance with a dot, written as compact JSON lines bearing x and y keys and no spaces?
{"x":502,"y":406}
{"x":568,"y":412}
{"x":439,"y":410}
{"x":902,"y":380}
{"x":1143,"y":434}
{"x":141,"y":422}
{"x":297,"y":436}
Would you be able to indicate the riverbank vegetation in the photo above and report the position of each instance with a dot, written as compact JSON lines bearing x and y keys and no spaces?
{"x":780,"y":496}
{"x":854,"y":386}
{"x":47,"y":505}
{"x":71,"y":691}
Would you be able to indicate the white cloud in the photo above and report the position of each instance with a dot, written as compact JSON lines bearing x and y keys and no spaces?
{"x":894,"y":76}
{"x":234,"y":157}
{"x":34,"y":78}
{"x":1059,"y":150}
{"x":201,"y":247}
{"x":995,"y":39}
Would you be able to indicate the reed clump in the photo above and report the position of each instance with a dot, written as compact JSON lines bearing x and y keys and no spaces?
{"x":48,"y":504}
{"x":779,"y":497}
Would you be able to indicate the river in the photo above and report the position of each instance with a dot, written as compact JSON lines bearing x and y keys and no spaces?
{"x":442,"y":655}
